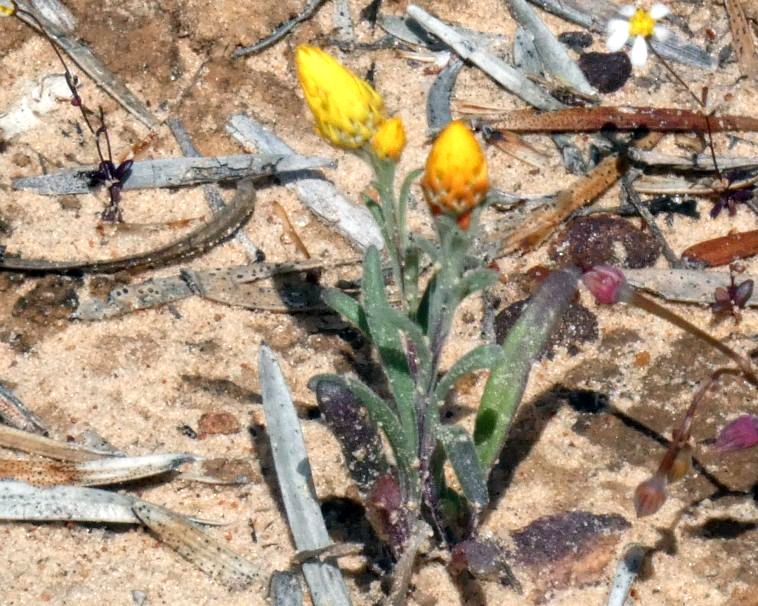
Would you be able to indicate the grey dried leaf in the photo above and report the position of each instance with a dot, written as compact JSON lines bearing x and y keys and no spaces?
{"x":174,"y":172}
{"x":505,"y":75}
{"x":296,"y":483}
{"x":99,"y":472}
{"x":321,"y":197}
{"x":25,"y":503}
{"x":552,"y":53}
{"x":685,"y":285}
{"x":197,"y":546}
{"x":47,"y":447}
{"x":15,"y":413}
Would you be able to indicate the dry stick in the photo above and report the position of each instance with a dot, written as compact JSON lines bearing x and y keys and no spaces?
{"x":742,"y":39}
{"x":576,"y":119}
{"x":536,"y":229}
{"x":281,"y":31}
{"x":654,"y":308}
{"x":634,"y":199}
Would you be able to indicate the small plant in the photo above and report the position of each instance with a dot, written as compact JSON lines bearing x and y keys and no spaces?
{"x":409,"y":325}
{"x":108,"y":173}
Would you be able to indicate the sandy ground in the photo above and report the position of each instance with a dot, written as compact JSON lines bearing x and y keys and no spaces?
{"x":136,"y":380}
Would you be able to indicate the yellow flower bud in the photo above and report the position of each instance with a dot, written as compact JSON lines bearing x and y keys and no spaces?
{"x":7,"y":8}
{"x":346,"y":109}
{"x":389,"y":140}
{"x":455,"y":180}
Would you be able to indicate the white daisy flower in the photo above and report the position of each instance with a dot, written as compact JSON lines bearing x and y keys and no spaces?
{"x":639,"y":24}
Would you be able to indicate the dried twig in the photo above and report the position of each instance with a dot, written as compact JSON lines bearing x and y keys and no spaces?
{"x":576,"y":119}
{"x":280,"y":32}
{"x":634,"y":199}
{"x":742,"y":38}
{"x":538,"y":227}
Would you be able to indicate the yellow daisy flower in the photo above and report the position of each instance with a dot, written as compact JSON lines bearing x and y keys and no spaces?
{"x":389,"y":140}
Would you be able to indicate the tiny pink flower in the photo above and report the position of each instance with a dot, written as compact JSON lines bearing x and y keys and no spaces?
{"x":739,"y":434}
{"x":607,"y":283}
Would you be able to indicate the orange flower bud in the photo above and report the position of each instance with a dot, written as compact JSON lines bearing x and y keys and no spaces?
{"x":455,"y":180}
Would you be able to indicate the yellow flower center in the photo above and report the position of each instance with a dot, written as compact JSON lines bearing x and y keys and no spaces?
{"x":641,"y":24}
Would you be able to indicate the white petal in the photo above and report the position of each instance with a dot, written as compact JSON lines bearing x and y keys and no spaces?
{"x":618,"y":34}
{"x":661,"y":33}
{"x":628,"y":10}
{"x":639,"y":52}
{"x":659,"y":11}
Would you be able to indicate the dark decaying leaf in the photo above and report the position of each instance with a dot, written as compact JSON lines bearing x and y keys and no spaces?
{"x":604,"y":240}
{"x":567,"y":549}
{"x":607,"y":72}
{"x":357,"y":434}
{"x":484,"y":559}
{"x":386,"y":513}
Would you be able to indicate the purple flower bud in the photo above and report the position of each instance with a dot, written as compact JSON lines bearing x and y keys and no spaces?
{"x":739,"y":434}
{"x":607,"y":283}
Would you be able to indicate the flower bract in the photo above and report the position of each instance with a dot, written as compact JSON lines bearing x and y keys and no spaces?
{"x":455,"y":179}
{"x":639,"y":25}
{"x":347,"y":110}
{"x":389,"y":140}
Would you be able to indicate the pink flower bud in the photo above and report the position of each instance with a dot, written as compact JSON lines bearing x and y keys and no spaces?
{"x":739,"y":434}
{"x":650,"y":495}
{"x":607,"y":283}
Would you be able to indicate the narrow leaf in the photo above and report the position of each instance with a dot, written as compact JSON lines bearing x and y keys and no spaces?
{"x":293,"y":474}
{"x":477,"y":280}
{"x":522,"y":346}
{"x":386,"y":337}
{"x":484,"y":356}
{"x":349,"y":308}
{"x":197,"y":546}
{"x":460,"y":450}
{"x":355,"y":429}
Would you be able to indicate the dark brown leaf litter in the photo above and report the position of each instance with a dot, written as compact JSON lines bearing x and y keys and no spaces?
{"x":578,"y":326}
{"x":568,"y":549}
{"x":604,"y":240}
{"x":607,"y":72}
{"x":43,"y":310}
{"x":214,"y":423}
